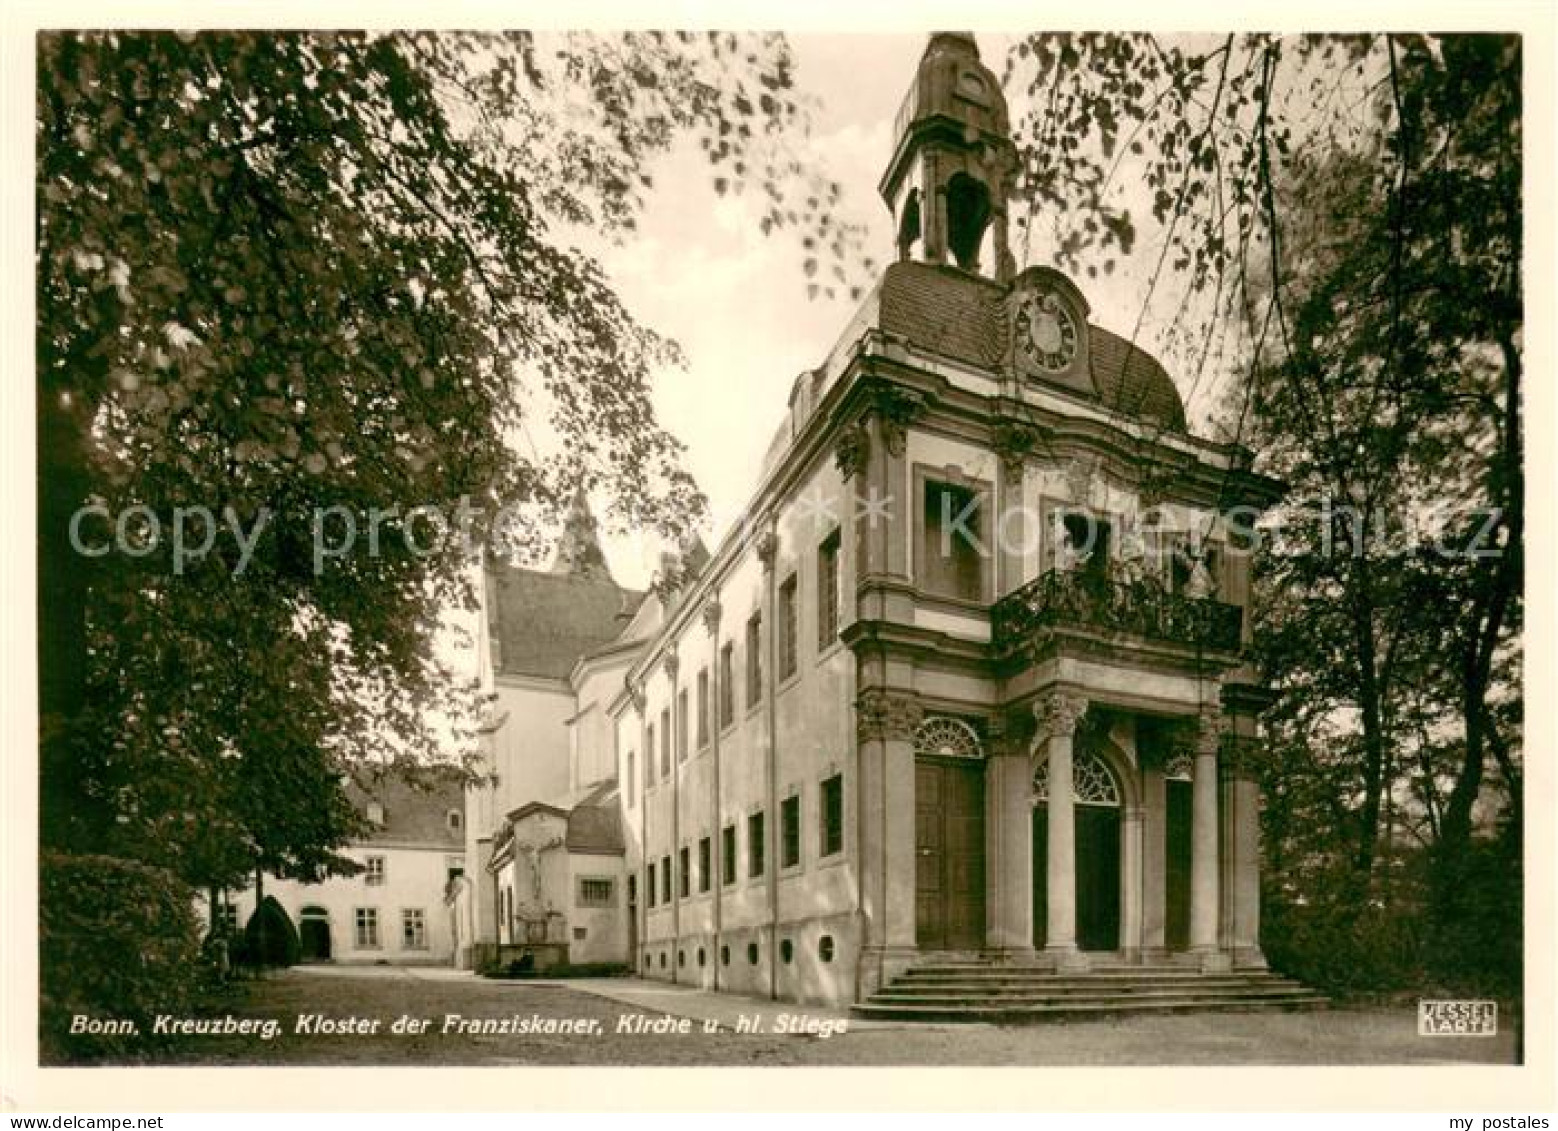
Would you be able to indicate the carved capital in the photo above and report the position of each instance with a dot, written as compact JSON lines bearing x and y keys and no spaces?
{"x":639,"y":700}
{"x":884,"y":714}
{"x":852,"y":450}
{"x":711,"y":614}
{"x":897,"y":409}
{"x":1059,"y":714}
{"x":672,"y":663}
{"x":767,"y":549}
{"x":1211,"y":726}
{"x":1013,"y":441}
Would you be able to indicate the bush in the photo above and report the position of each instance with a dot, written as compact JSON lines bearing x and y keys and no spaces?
{"x":279,"y":944}
{"x":117,"y":940}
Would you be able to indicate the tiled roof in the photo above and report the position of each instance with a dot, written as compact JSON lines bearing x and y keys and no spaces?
{"x":413,"y":814}
{"x":543,"y":622}
{"x":595,"y":825}
{"x":961,"y":316}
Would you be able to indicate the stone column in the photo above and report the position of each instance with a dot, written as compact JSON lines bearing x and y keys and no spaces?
{"x":1154,"y":855}
{"x":1058,"y":717}
{"x":885,"y":723}
{"x":1131,"y":883}
{"x":1008,"y":839}
{"x":1204,"y":893}
{"x":1240,"y":754}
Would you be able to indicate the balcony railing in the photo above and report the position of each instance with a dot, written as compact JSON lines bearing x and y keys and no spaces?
{"x":1142,"y":607}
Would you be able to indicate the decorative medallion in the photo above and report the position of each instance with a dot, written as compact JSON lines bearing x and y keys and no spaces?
{"x":1046,"y":332}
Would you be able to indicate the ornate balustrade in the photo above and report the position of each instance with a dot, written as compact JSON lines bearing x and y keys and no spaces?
{"x":1142,"y":607}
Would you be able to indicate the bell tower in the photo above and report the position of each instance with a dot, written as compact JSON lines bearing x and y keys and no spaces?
{"x":953,"y":162}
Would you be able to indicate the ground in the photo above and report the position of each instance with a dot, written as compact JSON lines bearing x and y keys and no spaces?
{"x":1336,"y":1036}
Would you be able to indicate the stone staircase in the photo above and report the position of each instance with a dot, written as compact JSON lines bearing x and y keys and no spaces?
{"x":984,"y":990}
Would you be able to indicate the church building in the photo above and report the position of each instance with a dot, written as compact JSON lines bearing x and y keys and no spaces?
{"x":969,"y":685}
{"x":971,"y":681}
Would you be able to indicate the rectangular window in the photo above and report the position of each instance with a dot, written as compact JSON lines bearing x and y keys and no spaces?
{"x":728,"y":855}
{"x":373,"y":873}
{"x":727,"y":684}
{"x":1088,"y":537}
{"x":596,"y":891}
{"x":703,"y":707}
{"x":788,"y":659}
{"x":681,"y":726}
{"x":454,"y":868}
{"x":828,"y":590}
{"x":832,"y":814}
{"x":367,"y":921}
{"x":754,"y":659}
{"x":665,"y":879}
{"x":665,"y":743}
{"x":757,"y":849}
{"x":649,"y":754}
{"x":705,"y":864}
{"x":227,"y":918}
{"x":953,"y":547}
{"x":632,"y":891}
{"x":413,"y":929}
{"x":790,"y":832}
{"x":649,"y":884}
{"x":684,"y":874}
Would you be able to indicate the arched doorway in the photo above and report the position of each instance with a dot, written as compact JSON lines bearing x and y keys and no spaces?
{"x":314,"y":934}
{"x":1097,"y":816}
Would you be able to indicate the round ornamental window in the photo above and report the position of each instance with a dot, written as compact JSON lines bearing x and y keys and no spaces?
{"x":942,"y":736}
{"x":1091,"y":782}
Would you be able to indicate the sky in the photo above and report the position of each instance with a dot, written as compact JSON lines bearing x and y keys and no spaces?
{"x":699,"y":271}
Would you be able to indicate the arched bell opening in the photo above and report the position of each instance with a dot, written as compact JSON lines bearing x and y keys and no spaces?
{"x":968,"y":215}
{"x":1098,"y":804}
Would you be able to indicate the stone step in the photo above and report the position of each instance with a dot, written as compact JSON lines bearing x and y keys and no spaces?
{"x":1040,"y":989}
{"x":1003,"y":1012}
{"x":1041,"y":997}
{"x":1102,"y":978}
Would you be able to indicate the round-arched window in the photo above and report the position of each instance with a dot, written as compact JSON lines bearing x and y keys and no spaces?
{"x":942,"y":736}
{"x":1091,"y":782}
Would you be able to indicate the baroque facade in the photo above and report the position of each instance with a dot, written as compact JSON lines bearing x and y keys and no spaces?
{"x":971,"y":680}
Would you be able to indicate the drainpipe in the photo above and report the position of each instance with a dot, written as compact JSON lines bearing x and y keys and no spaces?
{"x":768,"y":550}
{"x":711,"y":613}
{"x":669,"y":743}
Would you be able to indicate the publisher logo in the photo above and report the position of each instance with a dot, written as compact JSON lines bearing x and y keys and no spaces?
{"x":1457,"y":1018}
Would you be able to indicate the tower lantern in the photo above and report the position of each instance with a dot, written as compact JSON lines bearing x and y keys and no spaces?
{"x":953,"y":162}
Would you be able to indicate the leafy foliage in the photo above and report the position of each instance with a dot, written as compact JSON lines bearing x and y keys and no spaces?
{"x":1338,"y":219}
{"x":116,"y":940}
{"x":287,"y":275}
{"x":269,"y":937}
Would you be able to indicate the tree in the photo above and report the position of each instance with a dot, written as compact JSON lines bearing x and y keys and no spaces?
{"x":289,"y":279}
{"x":1341,"y":219}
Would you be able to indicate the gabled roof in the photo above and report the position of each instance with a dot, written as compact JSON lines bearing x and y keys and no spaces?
{"x":543,"y":622}
{"x":595,"y":825}
{"x":412,"y":814}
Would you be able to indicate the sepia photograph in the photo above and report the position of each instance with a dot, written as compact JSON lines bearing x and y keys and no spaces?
{"x":667,"y":547}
